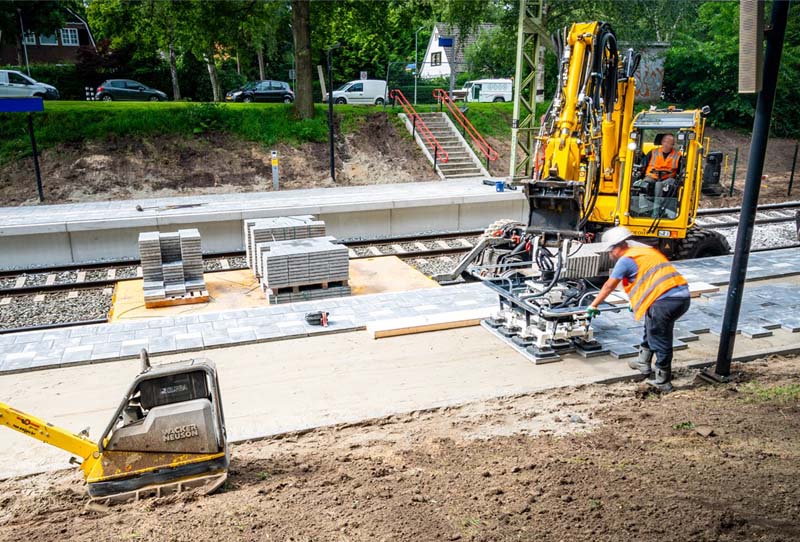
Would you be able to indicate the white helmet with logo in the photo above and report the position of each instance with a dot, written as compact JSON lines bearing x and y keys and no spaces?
{"x":615,"y":236}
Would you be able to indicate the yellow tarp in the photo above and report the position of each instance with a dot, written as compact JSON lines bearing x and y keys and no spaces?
{"x":240,"y":290}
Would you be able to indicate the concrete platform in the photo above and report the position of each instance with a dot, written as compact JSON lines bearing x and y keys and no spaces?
{"x":44,"y":235}
{"x":39,"y":350}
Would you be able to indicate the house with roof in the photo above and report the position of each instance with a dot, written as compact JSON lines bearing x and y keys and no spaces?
{"x":60,"y":47}
{"x":438,"y":60}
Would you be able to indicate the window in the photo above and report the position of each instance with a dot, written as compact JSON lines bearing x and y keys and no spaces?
{"x":117,"y":84}
{"x":133,"y":85}
{"x":263,"y":86}
{"x":436,"y":59}
{"x":17,"y":79}
{"x":69,"y":37}
{"x":48,"y":40}
{"x":358,"y":87}
{"x":29,"y":39}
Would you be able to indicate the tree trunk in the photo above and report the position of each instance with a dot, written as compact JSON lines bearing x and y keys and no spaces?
{"x":238,"y":65}
{"x":20,"y":53}
{"x":212,"y":75}
{"x":173,"y":73}
{"x":301,"y":30}
{"x":260,"y":55}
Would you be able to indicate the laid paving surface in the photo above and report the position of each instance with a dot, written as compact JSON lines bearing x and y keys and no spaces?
{"x":14,"y":220}
{"x":618,"y":332}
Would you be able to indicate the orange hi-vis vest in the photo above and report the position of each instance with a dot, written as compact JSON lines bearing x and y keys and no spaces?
{"x":663,"y":163}
{"x":655,"y":277}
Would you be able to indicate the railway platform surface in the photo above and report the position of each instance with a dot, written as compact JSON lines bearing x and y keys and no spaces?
{"x":42,"y":235}
{"x":765,"y":308}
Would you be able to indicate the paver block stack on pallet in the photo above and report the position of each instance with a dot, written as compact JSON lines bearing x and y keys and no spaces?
{"x":305,"y":269}
{"x":172,"y":268}
{"x":259,"y":233}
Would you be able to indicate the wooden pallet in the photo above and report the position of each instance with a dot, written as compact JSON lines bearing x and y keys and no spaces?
{"x":305,"y":287}
{"x":190,"y":298}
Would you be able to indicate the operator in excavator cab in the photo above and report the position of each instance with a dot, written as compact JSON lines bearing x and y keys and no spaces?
{"x":663,"y":165}
{"x":657,"y":292}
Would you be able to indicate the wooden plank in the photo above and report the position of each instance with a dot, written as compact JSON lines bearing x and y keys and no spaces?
{"x":696,"y":289}
{"x":429,"y":322}
{"x":188,"y":299}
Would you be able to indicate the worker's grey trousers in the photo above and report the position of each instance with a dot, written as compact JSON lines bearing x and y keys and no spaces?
{"x":659,"y":325}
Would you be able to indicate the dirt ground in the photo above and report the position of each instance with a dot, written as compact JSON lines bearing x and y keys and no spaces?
{"x":777,"y":167}
{"x":160,"y":166}
{"x":597,"y":463}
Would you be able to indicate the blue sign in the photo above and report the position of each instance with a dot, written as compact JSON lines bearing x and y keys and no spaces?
{"x":445,"y":42}
{"x":21,"y":105}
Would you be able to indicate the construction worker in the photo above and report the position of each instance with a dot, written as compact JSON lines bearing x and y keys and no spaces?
{"x":656,"y":291}
{"x":662,"y":170}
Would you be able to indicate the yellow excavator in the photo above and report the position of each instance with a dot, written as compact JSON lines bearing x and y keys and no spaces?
{"x":167,"y":435}
{"x":589,"y":173}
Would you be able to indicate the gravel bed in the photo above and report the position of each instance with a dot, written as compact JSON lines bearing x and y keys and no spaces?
{"x":66,"y":277}
{"x":56,"y":308}
{"x":96,"y":274}
{"x":126,"y":272}
{"x":7,"y":282}
{"x":36,"y":279}
{"x":212,"y":265}
{"x":362,"y":251}
{"x":766,"y":235}
{"x":237,"y":262}
{"x":433,"y":266}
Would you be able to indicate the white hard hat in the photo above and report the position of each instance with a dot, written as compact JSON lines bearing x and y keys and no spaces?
{"x":615,"y":236}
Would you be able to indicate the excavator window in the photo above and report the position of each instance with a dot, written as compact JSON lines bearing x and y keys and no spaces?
{"x":654,"y":197}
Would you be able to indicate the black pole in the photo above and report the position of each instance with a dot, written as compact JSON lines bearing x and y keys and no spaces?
{"x":330,"y":112}
{"x":414,"y":127}
{"x":35,"y":158}
{"x":752,"y":186}
{"x":794,"y":165}
{"x":435,"y":156}
{"x":733,"y":175}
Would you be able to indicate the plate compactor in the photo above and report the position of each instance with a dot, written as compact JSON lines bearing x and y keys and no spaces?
{"x":167,"y":435}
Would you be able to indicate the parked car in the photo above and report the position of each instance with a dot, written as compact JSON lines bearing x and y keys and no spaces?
{"x":14,"y":84}
{"x":363,"y":91}
{"x":262,"y":91}
{"x":127,"y":90}
{"x":487,"y":90}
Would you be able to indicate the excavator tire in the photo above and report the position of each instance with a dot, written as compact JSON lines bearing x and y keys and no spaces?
{"x":701,"y":244}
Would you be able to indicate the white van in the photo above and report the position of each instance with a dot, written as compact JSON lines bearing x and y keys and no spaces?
{"x":488,"y":90}
{"x":363,"y":91}
{"x":14,"y":84}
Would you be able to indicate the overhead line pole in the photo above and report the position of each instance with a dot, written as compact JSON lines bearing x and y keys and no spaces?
{"x":755,"y":167}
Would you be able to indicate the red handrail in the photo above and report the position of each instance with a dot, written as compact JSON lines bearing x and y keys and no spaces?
{"x":438,"y":152}
{"x":477,"y":139}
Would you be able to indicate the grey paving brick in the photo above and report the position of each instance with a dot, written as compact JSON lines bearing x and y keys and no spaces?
{"x":189,"y":341}
{"x":158,"y":345}
{"x":215,"y":338}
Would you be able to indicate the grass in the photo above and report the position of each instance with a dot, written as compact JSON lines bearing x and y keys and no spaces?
{"x":759,"y":393}
{"x":72,"y":122}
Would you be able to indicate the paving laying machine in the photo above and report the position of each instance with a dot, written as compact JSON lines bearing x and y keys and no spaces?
{"x":587,"y":175}
{"x":167,"y":435}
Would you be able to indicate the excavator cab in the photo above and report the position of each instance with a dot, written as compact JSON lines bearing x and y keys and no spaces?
{"x":665,"y":207}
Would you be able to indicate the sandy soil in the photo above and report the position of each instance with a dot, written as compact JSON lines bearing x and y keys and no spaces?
{"x":777,"y":167}
{"x":125,"y":168}
{"x":595,"y":463}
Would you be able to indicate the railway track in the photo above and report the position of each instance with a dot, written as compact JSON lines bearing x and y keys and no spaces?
{"x":414,"y":247}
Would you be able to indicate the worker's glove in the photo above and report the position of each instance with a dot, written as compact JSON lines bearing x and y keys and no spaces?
{"x":593,"y":312}
{"x":630,"y":307}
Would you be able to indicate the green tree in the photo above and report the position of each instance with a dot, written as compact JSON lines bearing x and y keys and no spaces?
{"x":490,"y":55}
{"x":702,"y":69}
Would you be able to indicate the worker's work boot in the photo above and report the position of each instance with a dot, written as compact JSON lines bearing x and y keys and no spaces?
{"x":642,"y":362}
{"x":662,"y":380}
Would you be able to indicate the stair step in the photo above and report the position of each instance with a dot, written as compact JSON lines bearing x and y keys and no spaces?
{"x":463,"y":175}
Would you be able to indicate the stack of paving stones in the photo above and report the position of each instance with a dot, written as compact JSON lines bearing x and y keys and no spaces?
{"x":260,"y":232}
{"x":172,"y":264}
{"x":305,"y":269}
